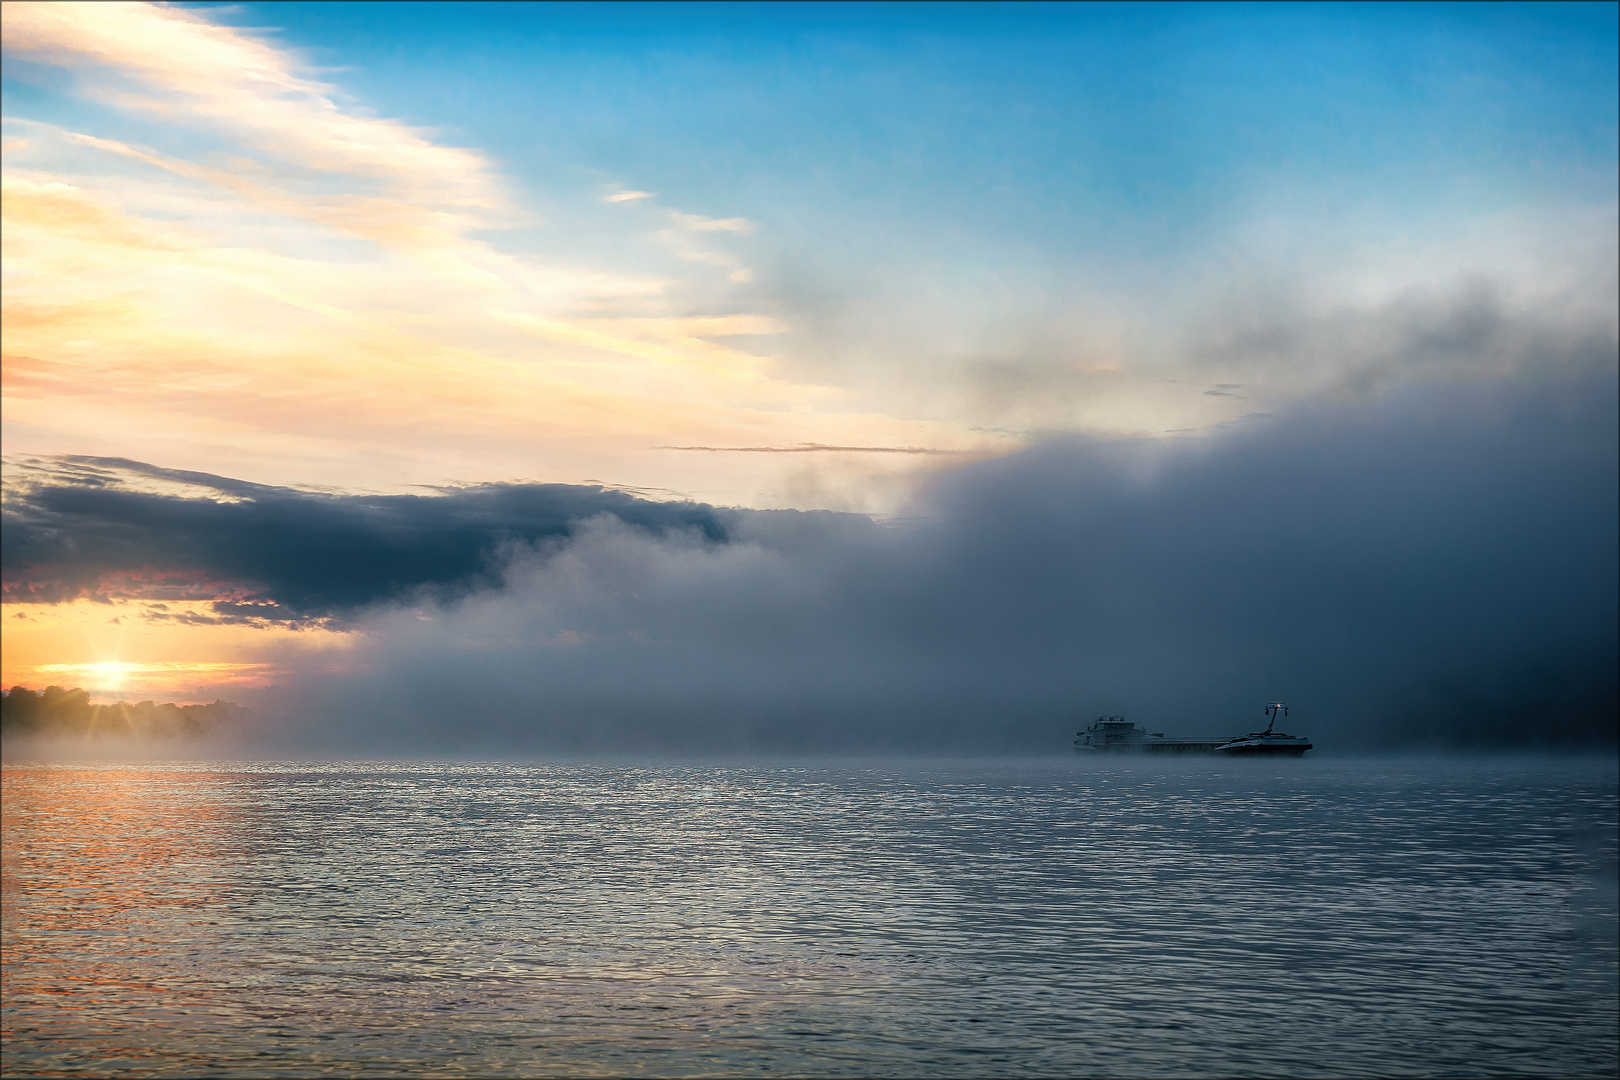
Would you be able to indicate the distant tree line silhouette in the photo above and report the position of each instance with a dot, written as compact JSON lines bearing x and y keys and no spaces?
{"x":56,"y":711}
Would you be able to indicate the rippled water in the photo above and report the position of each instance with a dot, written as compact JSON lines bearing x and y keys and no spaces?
{"x":1300,"y":918}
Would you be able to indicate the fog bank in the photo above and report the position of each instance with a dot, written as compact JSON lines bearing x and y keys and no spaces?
{"x":1433,"y":568}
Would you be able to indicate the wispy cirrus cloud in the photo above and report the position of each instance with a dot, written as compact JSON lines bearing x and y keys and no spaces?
{"x":179,"y":66}
{"x":683,"y":238}
{"x":814,"y":448}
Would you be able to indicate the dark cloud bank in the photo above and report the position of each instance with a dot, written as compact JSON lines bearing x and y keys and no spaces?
{"x":83,"y":527}
{"x":1434,"y":568}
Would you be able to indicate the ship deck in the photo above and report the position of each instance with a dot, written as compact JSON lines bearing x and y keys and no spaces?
{"x":1178,"y":746}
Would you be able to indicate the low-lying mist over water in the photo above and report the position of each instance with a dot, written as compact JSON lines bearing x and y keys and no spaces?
{"x":1428,"y":567}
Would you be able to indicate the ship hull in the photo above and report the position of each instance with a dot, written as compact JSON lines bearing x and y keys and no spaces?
{"x":1157,"y":749}
{"x":1264,"y":751}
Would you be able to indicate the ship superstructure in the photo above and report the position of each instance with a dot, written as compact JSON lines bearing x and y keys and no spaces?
{"x":1118,"y":735}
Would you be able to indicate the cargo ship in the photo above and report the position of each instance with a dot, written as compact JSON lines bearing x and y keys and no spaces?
{"x":1115,"y":734}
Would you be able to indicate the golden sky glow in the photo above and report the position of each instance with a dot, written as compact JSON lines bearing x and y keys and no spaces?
{"x":312,"y":305}
{"x":118,"y":650}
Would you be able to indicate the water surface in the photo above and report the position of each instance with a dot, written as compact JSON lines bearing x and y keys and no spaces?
{"x":1303,"y":918}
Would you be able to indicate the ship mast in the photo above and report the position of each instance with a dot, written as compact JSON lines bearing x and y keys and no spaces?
{"x":1274,"y":710}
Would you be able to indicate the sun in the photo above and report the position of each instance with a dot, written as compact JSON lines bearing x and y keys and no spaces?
{"x":109,"y":674}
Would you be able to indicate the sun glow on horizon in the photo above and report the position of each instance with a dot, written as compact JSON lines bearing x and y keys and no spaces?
{"x":107,"y":674}
{"x":181,"y":679}
{"x":139,"y":653}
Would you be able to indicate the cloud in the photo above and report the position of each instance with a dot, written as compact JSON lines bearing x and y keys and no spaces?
{"x":302,"y":291}
{"x":194,"y":261}
{"x":188,"y":68}
{"x":1433,"y":565}
{"x":1289,"y":308}
{"x":681,"y":241}
{"x":1434,"y":568}
{"x":670,"y":341}
{"x":813,"y":448}
{"x":700,"y":224}
{"x":92,"y":527}
{"x":168,"y":336}
{"x":221,"y":318}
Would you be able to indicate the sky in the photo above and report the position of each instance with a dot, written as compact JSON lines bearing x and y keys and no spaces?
{"x":357,"y":348}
